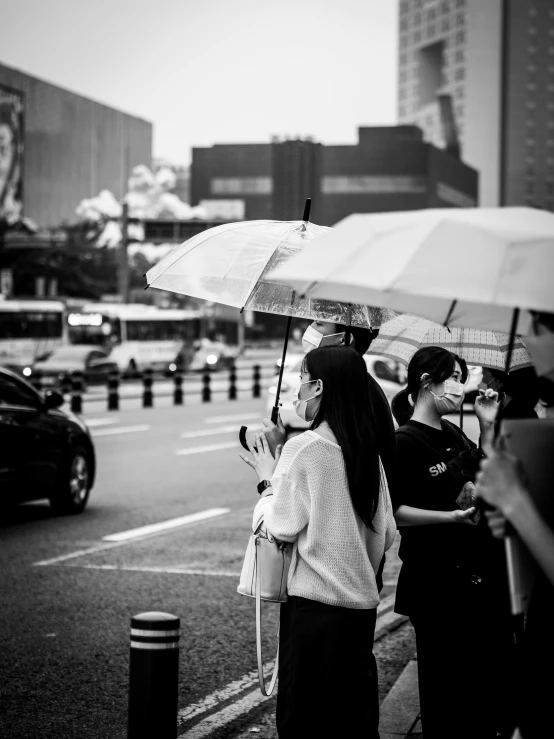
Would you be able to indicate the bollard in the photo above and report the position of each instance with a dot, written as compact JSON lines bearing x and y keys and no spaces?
{"x":256,"y":389}
{"x":113,"y":390}
{"x":153,"y":676}
{"x":66,"y":384}
{"x":77,"y":391}
{"x":233,"y":383}
{"x":36,"y":380}
{"x":147,"y":395}
{"x":206,"y":390}
{"x":178,"y":389}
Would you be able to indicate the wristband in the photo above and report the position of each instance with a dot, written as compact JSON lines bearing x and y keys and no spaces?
{"x":263,"y":485}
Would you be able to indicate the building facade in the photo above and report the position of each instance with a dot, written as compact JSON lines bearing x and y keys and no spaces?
{"x":495,"y":60}
{"x":391,"y":168}
{"x":66,"y":148}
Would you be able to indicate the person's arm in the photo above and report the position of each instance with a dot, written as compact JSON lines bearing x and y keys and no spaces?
{"x":486,"y":409}
{"x":500,"y":484}
{"x":406,"y":515}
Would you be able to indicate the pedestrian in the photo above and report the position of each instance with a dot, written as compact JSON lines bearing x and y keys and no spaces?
{"x":327,"y":493}
{"x":501,"y":484}
{"x":452,"y":583}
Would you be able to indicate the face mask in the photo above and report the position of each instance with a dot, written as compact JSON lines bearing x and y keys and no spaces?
{"x":451,"y":399}
{"x":313,"y":338}
{"x":301,"y":406}
{"x":541,"y":349}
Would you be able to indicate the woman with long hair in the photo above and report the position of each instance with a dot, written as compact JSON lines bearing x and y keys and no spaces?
{"x":452,"y":583}
{"x":327,"y":493}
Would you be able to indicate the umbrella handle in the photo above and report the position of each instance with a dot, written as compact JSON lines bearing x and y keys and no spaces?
{"x":242,"y":437}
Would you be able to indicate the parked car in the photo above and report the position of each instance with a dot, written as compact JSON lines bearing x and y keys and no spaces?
{"x":45,"y":452}
{"x":92,"y":361}
{"x":384,"y":370}
{"x":210,"y":356}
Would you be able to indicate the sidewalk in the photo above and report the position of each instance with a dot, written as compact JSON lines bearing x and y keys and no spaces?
{"x":400,"y":709}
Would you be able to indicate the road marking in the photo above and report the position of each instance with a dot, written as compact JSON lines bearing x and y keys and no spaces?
{"x":92,"y":422}
{"x":161,"y":570}
{"x":213,"y":432}
{"x":97,"y":548}
{"x":121,"y":430}
{"x":172,"y":523}
{"x":238,"y":417}
{"x":207,"y":448}
{"x":225,"y":716}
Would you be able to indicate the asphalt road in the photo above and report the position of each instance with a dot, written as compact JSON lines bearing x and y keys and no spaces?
{"x":68,"y":593}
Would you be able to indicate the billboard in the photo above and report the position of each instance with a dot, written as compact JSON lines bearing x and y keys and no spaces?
{"x":11,"y":155}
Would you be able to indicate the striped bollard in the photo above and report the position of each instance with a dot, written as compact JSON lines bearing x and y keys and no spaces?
{"x":77,"y":392}
{"x":113,"y":390}
{"x":256,"y":387}
{"x":178,"y":389}
{"x":147,"y":394}
{"x":153,"y":676}
{"x":206,"y":389}
{"x":233,"y":383}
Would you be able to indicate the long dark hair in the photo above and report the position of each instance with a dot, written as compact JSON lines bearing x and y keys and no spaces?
{"x":434,"y":361}
{"x":346,"y":406}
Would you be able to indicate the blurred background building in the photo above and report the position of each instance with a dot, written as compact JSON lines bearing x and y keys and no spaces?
{"x":59,"y":147}
{"x":495,"y":59}
{"x":390,"y":168}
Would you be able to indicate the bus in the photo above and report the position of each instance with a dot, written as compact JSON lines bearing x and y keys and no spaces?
{"x":137,"y":336}
{"x":29,"y":331}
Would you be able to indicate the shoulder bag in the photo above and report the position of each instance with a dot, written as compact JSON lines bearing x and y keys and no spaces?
{"x":264,"y":577}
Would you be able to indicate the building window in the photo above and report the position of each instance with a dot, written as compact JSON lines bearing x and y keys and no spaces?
{"x":403,"y":59}
{"x":532,"y":31}
{"x":531,"y":104}
{"x":417,"y":19}
{"x":445,"y":26}
{"x":532,"y":11}
{"x":530,"y":141}
{"x":459,"y":111}
{"x":431,"y":30}
{"x":403,"y":76}
{"x":445,"y":7}
{"x":402,"y":94}
{"x":531,"y":86}
{"x":459,"y":56}
{"x":460,"y":93}
{"x":404,"y":7}
{"x":403,"y":42}
{"x":402,"y":111}
{"x":460,"y":3}
{"x":241,"y":186}
{"x":460,"y":37}
{"x":460,"y":19}
{"x":531,"y":49}
{"x":347,"y":184}
{"x":417,"y":37}
{"x":403,"y":25}
{"x":459,"y":74}
{"x":431,"y":14}
{"x":531,"y":68}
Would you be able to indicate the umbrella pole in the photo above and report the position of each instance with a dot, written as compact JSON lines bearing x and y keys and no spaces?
{"x":275,"y":410}
{"x":307,"y":208}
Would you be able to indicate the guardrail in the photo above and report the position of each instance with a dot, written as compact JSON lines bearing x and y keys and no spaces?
{"x":74,"y":386}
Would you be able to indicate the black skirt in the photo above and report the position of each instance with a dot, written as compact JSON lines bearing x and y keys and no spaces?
{"x":327,"y":671}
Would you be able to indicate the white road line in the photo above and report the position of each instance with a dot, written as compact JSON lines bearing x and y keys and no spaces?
{"x":214,"y":432}
{"x":121,"y":430}
{"x":207,"y":448}
{"x":95,"y":549}
{"x":172,"y":523}
{"x":93,"y":422}
{"x":225,"y":716}
{"x":238,"y":417}
{"x":161,"y":570}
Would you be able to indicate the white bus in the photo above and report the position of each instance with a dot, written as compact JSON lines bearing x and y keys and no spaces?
{"x":29,"y":330}
{"x":139,"y":336}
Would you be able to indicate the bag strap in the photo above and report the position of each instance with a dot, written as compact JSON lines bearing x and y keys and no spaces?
{"x":269,"y":690}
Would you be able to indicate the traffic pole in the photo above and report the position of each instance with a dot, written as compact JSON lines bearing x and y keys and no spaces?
{"x":153,"y":676}
{"x":113,"y":390}
{"x":256,"y":388}
{"x":77,"y":392}
{"x":233,"y":383}
{"x":178,"y":389}
{"x":147,"y":394}
{"x":206,"y":389}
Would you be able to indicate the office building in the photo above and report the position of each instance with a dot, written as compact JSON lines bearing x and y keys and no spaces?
{"x":495,"y":60}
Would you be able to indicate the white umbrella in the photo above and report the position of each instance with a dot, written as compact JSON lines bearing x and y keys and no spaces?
{"x":466,"y":267}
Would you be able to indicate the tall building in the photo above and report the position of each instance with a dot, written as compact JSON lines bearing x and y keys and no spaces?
{"x":390,"y":168}
{"x":57,"y":147}
{"x":495,"y":59}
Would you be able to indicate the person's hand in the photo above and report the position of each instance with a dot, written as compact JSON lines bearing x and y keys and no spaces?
{"x":263,"y":462}
{"x":486,"y":406}
{"x":497,"y":523}
{"x":500,"y":481}
{"x":459,"y":516}
{"x":274,"y":434}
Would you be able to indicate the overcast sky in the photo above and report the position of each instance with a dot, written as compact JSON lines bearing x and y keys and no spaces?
{"x":216,"y":71}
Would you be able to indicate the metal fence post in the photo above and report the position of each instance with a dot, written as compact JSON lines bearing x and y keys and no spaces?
{"x":153,"y":676}
{"x":147,"y":395}
{"x":113,"y":390}
{"x":256,"y":389}
{"x":178,"y":389}
{"x":206,"y":389}
{"x":233,"y":383}
{"x":77,"y":391}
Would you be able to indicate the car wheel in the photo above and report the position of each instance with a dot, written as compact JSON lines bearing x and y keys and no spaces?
{"x":74,"y":487}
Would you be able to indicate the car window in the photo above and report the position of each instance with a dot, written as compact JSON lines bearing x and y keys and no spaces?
{"x":382,"y":371}
{"x":14,"y":393}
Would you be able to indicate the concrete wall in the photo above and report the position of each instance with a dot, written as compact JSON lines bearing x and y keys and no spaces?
{"x":74,"y":147}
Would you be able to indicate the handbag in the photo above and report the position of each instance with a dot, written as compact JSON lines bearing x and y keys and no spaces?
{"x":264,"y":577}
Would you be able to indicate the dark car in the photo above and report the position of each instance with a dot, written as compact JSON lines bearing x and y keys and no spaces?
{"x":92,"y":361}
{"x":44,"y":452}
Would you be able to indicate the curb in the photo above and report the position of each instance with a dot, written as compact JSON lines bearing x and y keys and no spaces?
{"x":399,"y":713}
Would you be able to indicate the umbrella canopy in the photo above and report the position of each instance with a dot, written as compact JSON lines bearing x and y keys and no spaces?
{"x":229,"y":263}
{"x":465,"y":267}
{"x":401,"y":337}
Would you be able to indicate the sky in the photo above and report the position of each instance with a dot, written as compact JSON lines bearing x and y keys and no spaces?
{"x":216,"y":71}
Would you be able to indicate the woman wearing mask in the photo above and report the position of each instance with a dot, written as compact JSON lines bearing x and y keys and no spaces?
{"x":327,"y":493}
{"x":452,"y":583}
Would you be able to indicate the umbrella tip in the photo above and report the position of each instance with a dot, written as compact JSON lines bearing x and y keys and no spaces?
{"x":147,"y":286}
{"x":307,"y":207}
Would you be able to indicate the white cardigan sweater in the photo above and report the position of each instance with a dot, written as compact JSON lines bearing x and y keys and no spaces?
{"x":335,"y":556}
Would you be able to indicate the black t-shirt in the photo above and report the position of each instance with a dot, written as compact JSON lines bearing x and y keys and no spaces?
{"x":436,"y":553}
